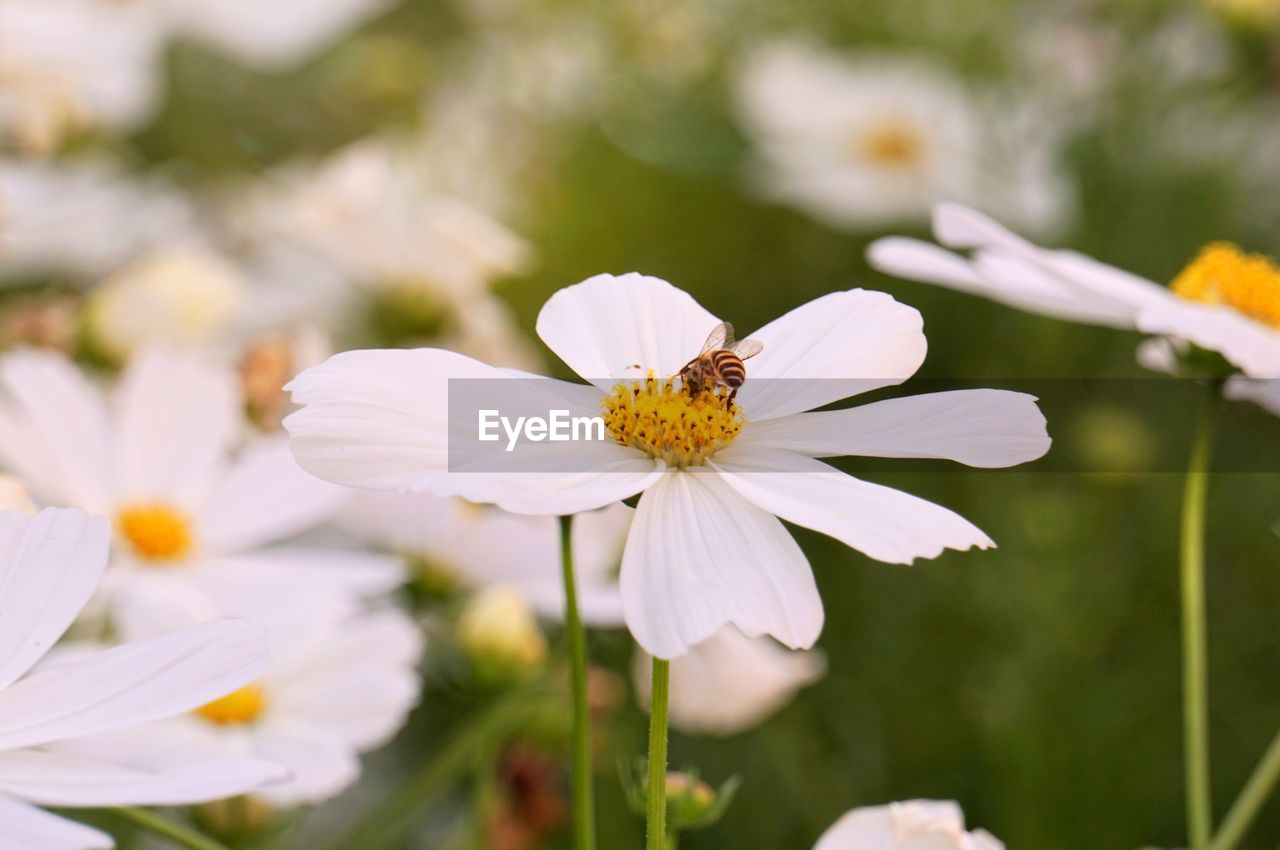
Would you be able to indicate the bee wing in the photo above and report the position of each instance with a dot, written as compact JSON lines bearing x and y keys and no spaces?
{"x":720,"y":336}
{"x":746,"y":348}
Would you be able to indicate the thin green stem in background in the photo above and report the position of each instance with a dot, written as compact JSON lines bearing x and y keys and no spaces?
{"x":1195,"y":682}
{"x":158,"y":824}
{"x":656,"y":796}
{"x":387,"y":825}
{"x":1246,"y":807}
{"x":584,"y":818}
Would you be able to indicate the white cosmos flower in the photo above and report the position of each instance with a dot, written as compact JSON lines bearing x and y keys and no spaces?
{"x":50,"y":565}
{"x":340,"y":683}
{"x":730,"y":682}
{"x":1224,"y":301}
{"x":706,"y":547}
{"x":868,"y":139}
{"x":194,"y":519}
{"x":83,"y":219}
{"x":910,"y":825}
{"x":481,"y":546}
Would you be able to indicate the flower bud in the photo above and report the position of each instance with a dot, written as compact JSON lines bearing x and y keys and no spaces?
{"x":500,"y":635}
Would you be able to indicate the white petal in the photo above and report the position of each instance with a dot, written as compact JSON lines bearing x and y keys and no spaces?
{"x":1249,"y":345}
{"x":50,"y":566}
{"x":320,"y":766}
{"x":917,"y":260}
{"x":275,"y":570}
{"x":60,"y":779}
{"x":730,"y":682}
{"x":606,"y":325}
{"x":131,"y":684}
{"x":176,"y":417}
{"x":1265,"y":394}
{"x":878,"y":521}
{"x":24,"y":827}
{"x":53,"y":430}
{"x":831,"y":348}
{"x":266,"y":497}
{"x":867,"y":828}
{"x":983,"y":428}
{"x":700,"y":557}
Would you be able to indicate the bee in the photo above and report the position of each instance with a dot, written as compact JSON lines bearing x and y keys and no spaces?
{"x":720,"y":362}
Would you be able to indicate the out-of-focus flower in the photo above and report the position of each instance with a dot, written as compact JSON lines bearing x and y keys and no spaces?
{"x":14,"y":495}
{"x":194,"y":520}
{"x":500,"y":635}
{"x":457,"y":544}
{"x":339,"y":683}
{"x":172,"y":297}
{"x":1253,"y":14}
{"x":532,"y":804}
{"x":67,"y":65}
{"x":41,"y":321}
{"x":730,"y":683}
{"x":716,"y":476}
{"x":268,"y":363}
{"x":1225,"y":300}
{"x":911,"y":825}
{"x":52,"y":563}
{"x":870,"y":139}
{"x":83,"y":219}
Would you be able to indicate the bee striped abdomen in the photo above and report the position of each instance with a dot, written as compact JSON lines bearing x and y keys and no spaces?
{"x":729,"y":367}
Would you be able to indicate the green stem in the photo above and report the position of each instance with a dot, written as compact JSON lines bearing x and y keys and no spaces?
{"x":1255,"y":792}
{"x":584,"y":820}
{"x":656,"y":797}
{"x":387,"y":824}
{"x":162,"y":826}
{"x":1195,"y":684}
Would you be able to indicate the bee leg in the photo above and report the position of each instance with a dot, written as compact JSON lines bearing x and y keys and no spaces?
{"x":733,"y":393}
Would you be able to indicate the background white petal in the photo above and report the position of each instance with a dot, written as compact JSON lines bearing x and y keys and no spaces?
{"x":607,"y":324}
{"x":1248,"y":344}
{"x":24,"y":827}
{"x":831,"y":348}
{"x":700,"y":557}
{"x":50,"y":566}
{"x":983,"y":428}
{"x":884,"y":523}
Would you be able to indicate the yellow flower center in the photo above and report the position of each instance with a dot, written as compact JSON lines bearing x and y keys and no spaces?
{"x":659,"y":417}
{"x":1223,"y":274}
{"x":238,"y":708}
{"x":156,"y":532}
{"x":891,"y":144}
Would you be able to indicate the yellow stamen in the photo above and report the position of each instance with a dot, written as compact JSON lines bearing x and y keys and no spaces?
{"x":1223,"y":274}
{"x":661,"y":418}
{"x":891,"y":144}
{"x":155,"y":531}
{"x":238,"y":708}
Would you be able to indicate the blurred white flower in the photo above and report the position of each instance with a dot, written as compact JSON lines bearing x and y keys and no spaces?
{"x":730,"y":683}
{"x":83,"y":218}
{"x":716,"y":477}
{"x":339,"y":683}
{"x":49,"y":567}
{"x":911,"y":825}
{"x":67,"y":65}
{"x":169,"y":297}
{"x":1224,"y":300}
{"x":869,"y":139}
{"x":194,"y":519}
{"x":476,"y":546}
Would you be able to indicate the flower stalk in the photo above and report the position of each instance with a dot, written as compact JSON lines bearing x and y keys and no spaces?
{"x":157,"y":824}
{"x":584,"y":822}
{"x":1252,"y":797}
{"x":656,"y":796}
{"x":1195,"y":684}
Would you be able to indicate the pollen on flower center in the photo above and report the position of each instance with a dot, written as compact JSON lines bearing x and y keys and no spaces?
{"x":238,"y":708}
{"x":1223,"y":274}
{"x":659,"y":417}
{"x":155,"y":532}
{"x":891,"y":144}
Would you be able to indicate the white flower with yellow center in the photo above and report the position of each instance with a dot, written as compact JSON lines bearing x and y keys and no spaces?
{"x":910,"y":825}
{"x":50,"y":565}
{"x":193,"y":518}
{"x":706,"y":547}
{"x":340,"y":682}
{"x":1225,"y":300}
{"x":455,"y":543}
{"x":730,"y":683}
